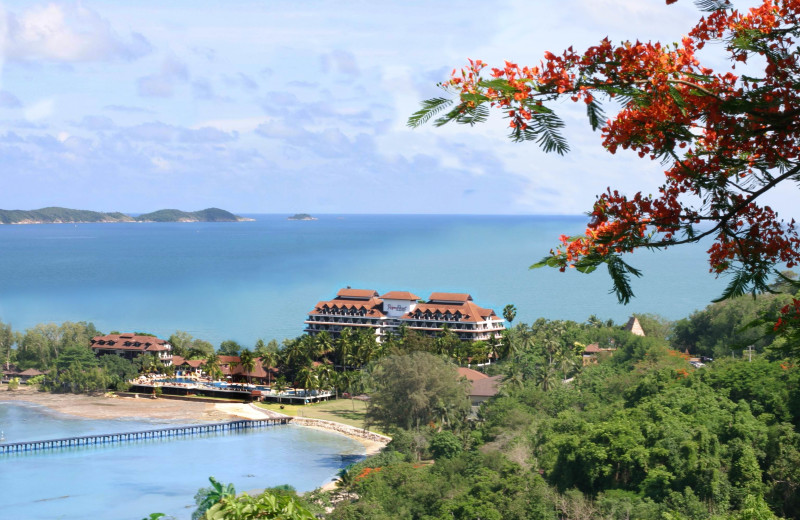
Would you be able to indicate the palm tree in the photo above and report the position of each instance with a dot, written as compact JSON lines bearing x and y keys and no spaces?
{"x":493,"y":346}
{"x":521,"y":340}
{"x":232,"y":364}
{"x":566,"y":360}
{"x":307,"y":379}
{"x":248,"y":362}
{"x":279,"y":387}
{"x":324,"y":343}
{"x":364,"y":347}
{"x":323,"y":374}
{"x":514,"y":378}
{"x":268,"y":360}
{"x":509,"y":313}
{"x":546,"y":377}
{"x":344,"y":347}
{"x":293,"y":355}
{"x":211,"y":367}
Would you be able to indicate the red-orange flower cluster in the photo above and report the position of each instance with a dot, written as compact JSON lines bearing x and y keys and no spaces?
{"x":729,"y":139}
{"x":367,"y":472}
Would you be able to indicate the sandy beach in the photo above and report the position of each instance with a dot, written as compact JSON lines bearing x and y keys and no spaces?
{"x":114,"y":407}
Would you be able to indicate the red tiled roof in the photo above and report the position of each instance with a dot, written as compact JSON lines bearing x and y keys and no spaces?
{"x":357,"y":293}
{"x":486,"y":387}
{"x":372,"y":306}
{"x":449,"y":297}
{"x":472,"y":375}
{"x":592,"y":348}
{"x":129,"y":341}
{"x":178,"y":360}
{"x":469,"y":311}
{"x":400,"y":295}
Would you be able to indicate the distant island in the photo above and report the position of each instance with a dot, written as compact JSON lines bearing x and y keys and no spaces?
{"x":302,"y":216}
{"x":55,"y":215}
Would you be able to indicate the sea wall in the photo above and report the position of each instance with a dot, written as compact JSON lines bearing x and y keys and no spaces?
{"x":341,"y":428}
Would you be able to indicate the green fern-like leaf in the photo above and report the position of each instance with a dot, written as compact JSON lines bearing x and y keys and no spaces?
{"x":620,"y":277}
{"x":712,"y":5}
{"x":596,"y":115}
{"x":430,"y":108}
{"x":738,"y":286}
{"x":471,"y":116}
{"x":550,"y":139}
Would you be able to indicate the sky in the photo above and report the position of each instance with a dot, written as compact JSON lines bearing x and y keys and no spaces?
{"x":278,"y":106}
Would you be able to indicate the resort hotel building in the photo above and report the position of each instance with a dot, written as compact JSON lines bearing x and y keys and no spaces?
{"x":364,"y":308}
{"x":130,"y":346}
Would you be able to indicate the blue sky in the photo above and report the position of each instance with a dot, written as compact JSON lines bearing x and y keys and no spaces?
{"x":285,"y":106}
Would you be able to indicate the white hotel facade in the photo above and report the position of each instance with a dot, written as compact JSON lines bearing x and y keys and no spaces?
{"x":364,"y":308}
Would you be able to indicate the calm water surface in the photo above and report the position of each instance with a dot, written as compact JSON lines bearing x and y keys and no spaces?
{"x":252,"y":280}
{"x":132,"y":480}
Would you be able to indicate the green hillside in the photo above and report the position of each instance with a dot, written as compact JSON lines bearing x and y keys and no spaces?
{"x":176,"y":215}
{"x":56,"y":215}
{"x":59,"y":215}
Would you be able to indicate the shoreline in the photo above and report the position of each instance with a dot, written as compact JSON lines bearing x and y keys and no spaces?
{"x":110,"y":406}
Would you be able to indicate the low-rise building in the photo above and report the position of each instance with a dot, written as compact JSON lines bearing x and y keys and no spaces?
{"x":131,"y":345}
{"x":364,"y":308}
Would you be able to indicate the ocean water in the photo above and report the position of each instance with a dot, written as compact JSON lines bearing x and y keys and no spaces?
{"x":131,"y":480}
{"x":250,"y":280}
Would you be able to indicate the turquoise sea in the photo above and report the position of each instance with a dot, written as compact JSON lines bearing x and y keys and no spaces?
{"x":128,"y":481}
{"x":251,"y":280}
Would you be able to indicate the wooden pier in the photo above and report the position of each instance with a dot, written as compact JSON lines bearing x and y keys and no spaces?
{"x":108,"y":438}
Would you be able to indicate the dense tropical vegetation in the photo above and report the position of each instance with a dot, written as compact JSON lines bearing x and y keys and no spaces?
{"x":640,"y":434}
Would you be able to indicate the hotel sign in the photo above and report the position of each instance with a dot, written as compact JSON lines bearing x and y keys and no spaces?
{"x":396,"y":308}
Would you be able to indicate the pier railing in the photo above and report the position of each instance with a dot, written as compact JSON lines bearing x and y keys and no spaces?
{"x":107,"y":438}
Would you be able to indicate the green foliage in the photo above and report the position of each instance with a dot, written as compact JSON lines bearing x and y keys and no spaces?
{"x":655,"y":326}
{"x":414,"y":390}
{"x":468,"y":486}
{"x":509,"y":313}
{"x":82,"y":356}
{"x":35,"y":380}
{"x":266,"y":505}
{"x":13,"y":384}
{"x":721,"y":328}
{"x":208,"y":496}
{"x":445,"y":445}
{"x":118,"y":370}
{"x":229,"y":348}
{"x":39,"y":346}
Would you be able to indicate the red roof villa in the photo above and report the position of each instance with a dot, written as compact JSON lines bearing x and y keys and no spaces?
{"x":361,"y":308}
{"x":131,"y":345}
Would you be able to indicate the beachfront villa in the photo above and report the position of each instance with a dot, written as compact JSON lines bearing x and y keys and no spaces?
{"x":131,"y":345}
{"x":383,"y":314}
{"x":231,"y":367}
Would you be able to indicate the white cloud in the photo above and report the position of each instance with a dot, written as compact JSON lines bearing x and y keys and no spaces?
{"x":162,"y":83}
{"x":241,"y":125}
{"x":40,"y":110}
{"x":340,"y":61}
{"x":65,"y":33}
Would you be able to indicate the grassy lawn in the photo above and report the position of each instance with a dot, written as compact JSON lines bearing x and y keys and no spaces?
{"x":340,"y":410}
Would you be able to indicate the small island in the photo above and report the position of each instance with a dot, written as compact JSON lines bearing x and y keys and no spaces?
{"x":301,"y":216}
{"x":56,"y":215}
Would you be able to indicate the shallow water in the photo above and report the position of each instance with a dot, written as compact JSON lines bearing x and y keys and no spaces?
{"x":133,"y":479}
